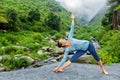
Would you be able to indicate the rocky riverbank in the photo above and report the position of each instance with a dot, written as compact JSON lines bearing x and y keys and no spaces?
{"x":55,"y":55}
{"x":74,"y":72}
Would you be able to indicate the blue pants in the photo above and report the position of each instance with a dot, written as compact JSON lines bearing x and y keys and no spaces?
{"x":79,"y":53}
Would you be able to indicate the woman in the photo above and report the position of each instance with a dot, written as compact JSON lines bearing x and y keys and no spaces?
{"x":80,"y":46}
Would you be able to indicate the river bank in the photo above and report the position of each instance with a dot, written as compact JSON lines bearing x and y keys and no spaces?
{"x":74,"y":72}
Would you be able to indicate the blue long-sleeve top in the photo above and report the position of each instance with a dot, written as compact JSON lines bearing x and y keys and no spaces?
{"x":75,"y":44}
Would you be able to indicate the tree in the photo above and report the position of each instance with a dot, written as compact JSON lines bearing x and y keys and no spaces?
{"x":53,"y":21}
{"x":34,"y":15}
{"x":12,"y":20}
{"x":109,"y":16}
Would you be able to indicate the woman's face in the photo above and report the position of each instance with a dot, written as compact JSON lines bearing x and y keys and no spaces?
{"x":63,"y":42}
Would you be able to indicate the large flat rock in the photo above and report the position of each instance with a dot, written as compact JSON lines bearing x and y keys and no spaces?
{"x":74,"y":72}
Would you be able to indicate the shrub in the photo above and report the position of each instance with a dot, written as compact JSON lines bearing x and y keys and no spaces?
{"x":39,"y":57}
{"x":117,"y":8}
{"x":53,"y":21}
{"x":9,"y":50}
{"x":34,"y":15}
{"x":12,"y":50}
{"x":4,"y":42}
{"x":19,"y":51}
{"x":105,"y":57}
{"x":37,"y":37}
{"x":11,"y":38}
{"x":110,"y":42}
{"x":53,"y":32}
{"x":13,"y":21}
{"x":43,"y":56}
{"x":33,"y":46}
{"x":58,"y":36}
{"x":14,"y":63}
{"x":25,"y":26}
{"x":1,"y":52}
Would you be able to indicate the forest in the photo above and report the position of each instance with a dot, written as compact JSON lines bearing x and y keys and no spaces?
{"x":27,"y":26}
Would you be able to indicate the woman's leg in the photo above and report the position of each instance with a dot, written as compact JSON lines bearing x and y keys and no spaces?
{"x":73,"y":58}
{"x":91,"y":49}
{"x":102,"y":67}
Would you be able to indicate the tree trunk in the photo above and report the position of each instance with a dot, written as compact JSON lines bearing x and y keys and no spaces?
{"x":116,"y":20}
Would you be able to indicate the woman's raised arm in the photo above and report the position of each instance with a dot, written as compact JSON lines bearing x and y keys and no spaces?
{"x":71,"y":27}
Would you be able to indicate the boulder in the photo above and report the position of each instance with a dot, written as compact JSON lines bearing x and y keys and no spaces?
{"x":85,"y":59}
{"x":51,"y":60}
{"x":2,"y":69}
{"x":57,"y":50}
{"x":38,"y":64}
{"x":52,"y":41}
{"x":27,"y":58}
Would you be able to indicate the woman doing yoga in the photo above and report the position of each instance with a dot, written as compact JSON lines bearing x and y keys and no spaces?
{"x":80,"y":47}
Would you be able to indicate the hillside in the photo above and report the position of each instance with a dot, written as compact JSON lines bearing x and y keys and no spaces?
{"x":33,"y":15}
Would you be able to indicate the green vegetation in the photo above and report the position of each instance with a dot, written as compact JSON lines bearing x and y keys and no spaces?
{"x":13,"y":63}
{"x":117,"y":8}
{"x":23,"y":44}
{"x":33,"y":15}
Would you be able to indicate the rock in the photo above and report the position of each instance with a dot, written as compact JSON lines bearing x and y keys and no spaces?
{"x":36,"y":43}
{"x":40,"y":52}
{"x":85,"y":59}
{"x":3,"y":31}
{"x":46,"y":48}
{"x":1,"y":65}
{"x":59,"y":57}
{"x":38,"y":64}
{"x":2,"y":69}
{"x":27,"y":58}
{"x":51,"y":60}
{"x":1,"y":58}
{"x":18,"y":47}
{"x":67,"y":33}
{"x":53,"y":37}
{"x":6,"y":57}
{"x":18,"y":55}
{"x":57,"y":50}
{"x":95,"y":42}
{"x":52,"y":41}
{"x":17,"y":43}
{"x":96,"y":45}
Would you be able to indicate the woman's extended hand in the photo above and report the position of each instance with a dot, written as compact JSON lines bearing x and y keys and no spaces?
{"x":57,"y":69}
{"x":72,"y":16}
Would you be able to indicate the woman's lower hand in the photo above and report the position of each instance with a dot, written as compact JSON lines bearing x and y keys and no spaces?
{"x":55,"y":69}
{"x":58,"y":69}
